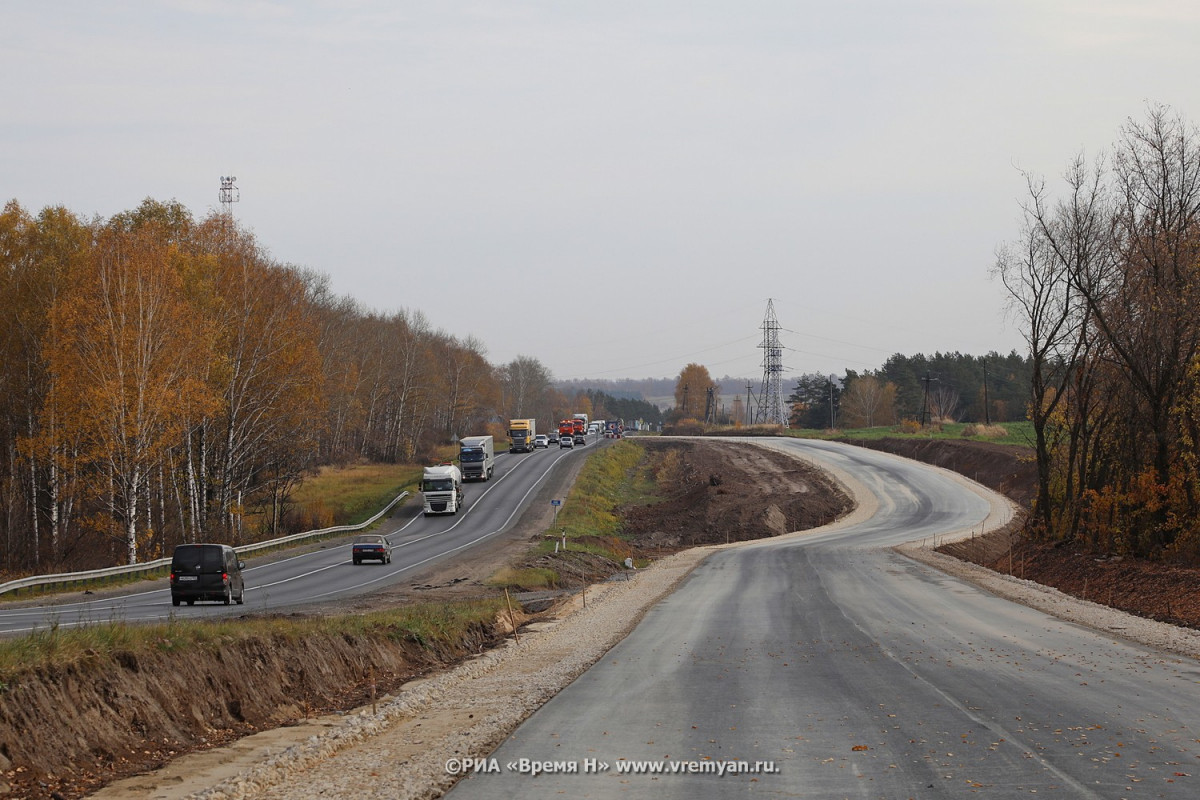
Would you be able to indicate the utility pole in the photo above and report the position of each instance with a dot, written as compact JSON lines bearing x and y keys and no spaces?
{"x":925,"y":403}
{"x":987,"y":413}
{"x":831,"y":425}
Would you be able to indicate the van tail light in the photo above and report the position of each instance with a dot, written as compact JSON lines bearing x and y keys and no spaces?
{"x":225,"y":578}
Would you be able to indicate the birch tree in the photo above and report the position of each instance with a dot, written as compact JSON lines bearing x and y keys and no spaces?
{"x":124,"y":359}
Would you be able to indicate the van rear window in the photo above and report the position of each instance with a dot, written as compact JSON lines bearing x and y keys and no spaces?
{"x":198,"y":558}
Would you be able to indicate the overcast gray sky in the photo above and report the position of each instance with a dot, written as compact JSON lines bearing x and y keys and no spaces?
{"x":614,"y":188}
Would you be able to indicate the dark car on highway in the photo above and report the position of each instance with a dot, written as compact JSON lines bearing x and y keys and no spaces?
{"x":371,"y":547}
{"x":206,"y":572}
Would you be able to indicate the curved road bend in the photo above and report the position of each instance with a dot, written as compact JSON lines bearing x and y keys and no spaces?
{"x":851,"y":671}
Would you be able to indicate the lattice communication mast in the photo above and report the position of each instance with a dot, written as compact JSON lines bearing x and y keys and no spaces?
{"x":229,"y":195}
{"x":770,"y":409}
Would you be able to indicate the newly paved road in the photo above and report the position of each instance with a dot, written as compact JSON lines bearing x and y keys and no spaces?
{"x":850,"y":671}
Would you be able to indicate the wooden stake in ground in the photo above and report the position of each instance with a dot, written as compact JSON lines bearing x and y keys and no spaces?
{"x":512,"y":619}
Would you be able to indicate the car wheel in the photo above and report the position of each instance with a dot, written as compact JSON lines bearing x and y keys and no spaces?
{"x":191,"y":602}
{"x":228,"y":598}
{"x":174,"y":601}
{"x":240,"y":597}
{"x":357,"y":562}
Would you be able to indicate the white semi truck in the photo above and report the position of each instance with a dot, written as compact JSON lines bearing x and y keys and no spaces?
{"x":441,"y":488}
{"x":477,"y":457}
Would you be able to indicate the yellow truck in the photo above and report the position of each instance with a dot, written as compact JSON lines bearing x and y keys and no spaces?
{"x":520,"y":435}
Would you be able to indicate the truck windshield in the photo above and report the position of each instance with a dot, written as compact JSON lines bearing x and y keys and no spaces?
{"x":437,"y":485}
{"x":471,"y":455}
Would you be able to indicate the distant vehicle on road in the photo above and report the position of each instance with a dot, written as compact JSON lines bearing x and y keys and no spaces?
{"x":371,"y":547}
{"x":541,"y":440}
{"x":553,"y":437}
{"x":566,"y":441}
{"x":580,"y":439}
{"x":206,"y":572}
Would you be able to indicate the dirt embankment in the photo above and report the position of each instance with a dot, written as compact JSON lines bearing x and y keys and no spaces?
{"x":728,"y":493}
{"x":67,"y":731}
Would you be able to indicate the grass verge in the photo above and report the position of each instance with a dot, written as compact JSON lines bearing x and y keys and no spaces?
{"x":587,"y":521}
{"x":612,"y":477}
{"x":1018,"y":433}
{"x":423,"y":623}
{"x":349,"y":495}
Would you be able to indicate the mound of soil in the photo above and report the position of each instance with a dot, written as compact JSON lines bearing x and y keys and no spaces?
{"x":730,"y":492}
{"x":715,"y":493}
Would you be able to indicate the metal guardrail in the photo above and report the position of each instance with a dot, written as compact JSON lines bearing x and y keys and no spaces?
{"x":68,"y":578}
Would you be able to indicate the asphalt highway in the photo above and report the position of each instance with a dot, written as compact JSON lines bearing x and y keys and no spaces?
{"x":829,"y":666}
{"x":326,"y":573}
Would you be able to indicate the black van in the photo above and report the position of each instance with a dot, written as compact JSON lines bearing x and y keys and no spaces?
{"x":206,"y":572}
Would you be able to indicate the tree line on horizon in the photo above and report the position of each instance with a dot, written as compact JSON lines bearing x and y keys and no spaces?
{"x":944,"y":387}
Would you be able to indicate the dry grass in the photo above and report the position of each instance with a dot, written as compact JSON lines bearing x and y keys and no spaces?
{"x":350,"y":494}
{"x":524,"y":578}
{"x":105,"y":641}
{"x":985,"y":431}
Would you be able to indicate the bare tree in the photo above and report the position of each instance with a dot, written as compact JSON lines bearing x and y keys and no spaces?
{"x":867,"y":402}
{"x":1039,"y":272}
{"x":525,"y":381}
